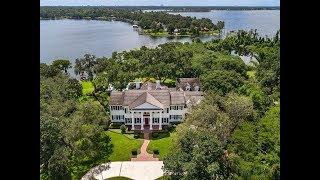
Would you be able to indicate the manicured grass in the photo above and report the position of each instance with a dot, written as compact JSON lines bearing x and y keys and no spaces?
{"x":170,"y":82}
{"x":118,"y":178}
{"x":122,"y":146}
{"x":129,"y":134}
{"x":162,"y":178}
{"x":163,"y":145}
{"x":87,"y":87}
{"x":251,"y":74}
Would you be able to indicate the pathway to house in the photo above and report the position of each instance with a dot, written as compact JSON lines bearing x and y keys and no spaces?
{"x":143,"y":167}
{"x":144,"y":155}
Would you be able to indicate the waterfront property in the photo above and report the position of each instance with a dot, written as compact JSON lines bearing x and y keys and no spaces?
{"x":150,"y":106}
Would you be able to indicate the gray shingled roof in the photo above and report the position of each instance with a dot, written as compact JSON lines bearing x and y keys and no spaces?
{"x":147,"y":85}
{"x":177,"y":97}
{"x":116,"y":98}
{"x":146,"y":98}
{"x":133,"y":98}
{"x":161,"y":95}
{"x":126,"y":98}
{"x":182,"y":83}
{"x":162,"y":98}
{"x":193,"y":97}
{"x":193,"y":93}
{"x":130,"y":96}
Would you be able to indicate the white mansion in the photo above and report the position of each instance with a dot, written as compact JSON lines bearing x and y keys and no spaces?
{"x":151,"y":105}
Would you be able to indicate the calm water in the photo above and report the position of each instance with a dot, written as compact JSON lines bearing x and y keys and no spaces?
{"x":71,"y":39}
{"x":267,"y":22}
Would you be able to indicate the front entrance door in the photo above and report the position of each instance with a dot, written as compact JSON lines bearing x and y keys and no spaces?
{"x":146,"y":120}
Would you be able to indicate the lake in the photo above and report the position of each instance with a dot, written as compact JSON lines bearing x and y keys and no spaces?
{"x":71,"y":39}
{"x":267,"y":22}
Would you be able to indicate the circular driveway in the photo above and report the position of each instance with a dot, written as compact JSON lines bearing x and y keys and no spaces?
{"x":140,"y":170}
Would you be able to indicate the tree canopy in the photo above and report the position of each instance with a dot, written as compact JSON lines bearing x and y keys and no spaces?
{"x":72,"y":136}
{"x":240,"y":115}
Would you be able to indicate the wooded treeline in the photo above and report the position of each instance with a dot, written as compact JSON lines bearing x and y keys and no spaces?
{"x":155,"y":21}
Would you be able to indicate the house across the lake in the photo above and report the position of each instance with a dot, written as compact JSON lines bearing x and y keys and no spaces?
{"x":152,"y":106}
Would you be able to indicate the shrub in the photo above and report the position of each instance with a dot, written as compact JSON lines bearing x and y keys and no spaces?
{"x":175,"y":123}
{"x":159,"y":135}
{"x":156,"y":151}
{"x":123,"y":129}
{"x":155,"y":135}
{"x":115,"y":125}
{"x":134,"y":152}
{"x":170,"y":127}
{"x":137,"y":135}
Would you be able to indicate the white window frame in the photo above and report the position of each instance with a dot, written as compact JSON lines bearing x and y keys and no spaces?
{"x":137,"y":120}
{"x":155,"y":120}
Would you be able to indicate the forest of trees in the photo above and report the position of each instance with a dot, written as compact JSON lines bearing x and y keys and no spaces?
{"x":153,"y":21}
{"x":73,"y":135}
{"x":233,"y":133}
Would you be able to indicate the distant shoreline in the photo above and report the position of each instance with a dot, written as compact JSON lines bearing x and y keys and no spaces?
{"x":185,"y":8}
{"x":210,"y":33}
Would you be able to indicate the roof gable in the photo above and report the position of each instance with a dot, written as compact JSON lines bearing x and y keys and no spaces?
{"x":147,"y":106}
{"x":146,"y":98}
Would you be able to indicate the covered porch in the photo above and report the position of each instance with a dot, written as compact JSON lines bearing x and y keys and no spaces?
{"x":146,"y":119}
{"x":146,"y":127}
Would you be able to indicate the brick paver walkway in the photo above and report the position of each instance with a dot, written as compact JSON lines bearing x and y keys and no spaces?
{"x":144,"y":155}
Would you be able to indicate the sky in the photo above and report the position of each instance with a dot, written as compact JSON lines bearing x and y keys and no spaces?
{"x":160,"y":2}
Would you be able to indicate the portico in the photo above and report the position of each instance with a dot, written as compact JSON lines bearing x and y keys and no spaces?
{"x":147,"y":119}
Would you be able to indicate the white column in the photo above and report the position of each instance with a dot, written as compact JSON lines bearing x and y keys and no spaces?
{"x":132,"y":121}
{"x":141,"y":120}
{"x":160,"y":121}
{"x":150,"y":121}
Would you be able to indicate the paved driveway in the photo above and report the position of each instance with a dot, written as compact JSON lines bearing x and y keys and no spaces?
{"x":138,"y":170}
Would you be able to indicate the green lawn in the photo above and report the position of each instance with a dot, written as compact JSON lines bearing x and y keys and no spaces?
{"x":162,"y":178}
{"x":122,"y":146}
{"x":163,"y":145}
{"x":87,"y":87}
{"x":118,"y":178}
{"x":129,"y":135}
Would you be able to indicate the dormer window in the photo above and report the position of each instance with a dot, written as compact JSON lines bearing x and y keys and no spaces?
{"x":188,"y":87}
{"x":196,"y":88}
